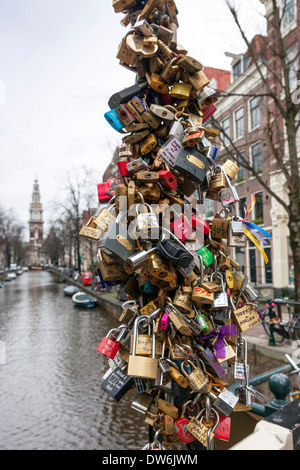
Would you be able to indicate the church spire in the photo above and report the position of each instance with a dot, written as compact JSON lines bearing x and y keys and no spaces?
{"x":36,"y":222}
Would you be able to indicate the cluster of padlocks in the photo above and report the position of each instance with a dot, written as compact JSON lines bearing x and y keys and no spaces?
{"x":181,"y":330}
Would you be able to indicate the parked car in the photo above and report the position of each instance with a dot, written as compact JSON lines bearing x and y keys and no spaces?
{"x":86,"y":278}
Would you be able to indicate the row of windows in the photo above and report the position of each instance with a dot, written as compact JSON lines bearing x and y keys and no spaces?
{"x":256,"y":264}
{"x":239,"y":121}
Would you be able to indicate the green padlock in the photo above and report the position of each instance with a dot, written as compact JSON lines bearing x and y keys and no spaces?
{"x":206,"y":255}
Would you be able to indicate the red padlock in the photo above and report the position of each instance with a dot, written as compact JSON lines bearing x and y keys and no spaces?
{"x":222,"y":431}
{"x":123,"y":169}
{"x":193,"y":139}
{"x":200,"y":224}
{"x":181,"y":424}
{"x":109,"y":346}
{"x":167,"y":179}
{"x":102,"y":189}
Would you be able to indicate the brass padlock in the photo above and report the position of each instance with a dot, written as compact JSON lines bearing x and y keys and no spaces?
{"x":148,"y":144}
{"x":90,"y":230}
{"x":137,"y":45}
{"x":144,"y":344}
{"x":151,"y":191}
{"x":140,"y":366}
{"x":231,"y":169}
{"x":147,"y":176}
{"x":189,"y":64}
{"x":169,"y":73}
{"x":217,"y":181}
{"x":198,"y":81}
{"x":197,"y":378}
{"x":156,"y":83}
{"x":126,"y":55}
{"x":110,"y":272}
{"x":121,"y":5}
{"x":135,"y":113}
{"x":202,"y":296}
{"x":183,"y":299}
{"x":152,"y":120}
{"x":219,"y":228}
{"x":181,"y":91}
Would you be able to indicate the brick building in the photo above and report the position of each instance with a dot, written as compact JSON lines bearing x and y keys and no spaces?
{"x":248,"y":117}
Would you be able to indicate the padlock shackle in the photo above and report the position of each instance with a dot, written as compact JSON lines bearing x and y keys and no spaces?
{"x":139,"y":320}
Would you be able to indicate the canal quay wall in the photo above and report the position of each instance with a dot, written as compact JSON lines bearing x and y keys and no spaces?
{"x":105,"y":302}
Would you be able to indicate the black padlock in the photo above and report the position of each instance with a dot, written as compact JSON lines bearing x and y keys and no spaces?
{"x":192,"y":164}
{"x":174,"y":253}
{"x":117,"y":384}
{"x":125,"y":95}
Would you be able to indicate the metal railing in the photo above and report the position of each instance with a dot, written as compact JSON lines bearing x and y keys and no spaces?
{"x":280,"y":385}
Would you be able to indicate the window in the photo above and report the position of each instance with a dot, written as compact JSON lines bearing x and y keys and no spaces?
{"x":292,"y":64}
{"x":242,"y":206}
{"x":256,"y":157}
{"x":255,"y":112}
{"x":268,"y":267}
{"x":239,"y":123}
{"x":259,"y":208}
{"x":226,"y":130}
{"x":237,"y":70}
{"x":288,"y":12}
{"x":239,"y":256}
{"x":252,"y":261}
{"x":240,"y":159}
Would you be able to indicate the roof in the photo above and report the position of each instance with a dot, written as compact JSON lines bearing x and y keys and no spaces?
{"x":222,"y":77}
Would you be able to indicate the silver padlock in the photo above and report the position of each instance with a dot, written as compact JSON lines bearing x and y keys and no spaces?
{"x":221,"y":298}
{"x":144,"y":28}
{"x":225,"y":401}
{"x":177,"y":130}
{"x":146,"y":221}
{"x":136,"y":165}
{"x":236,"y":236}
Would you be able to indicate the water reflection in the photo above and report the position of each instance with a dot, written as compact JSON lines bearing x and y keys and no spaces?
{"x":50,"y":385}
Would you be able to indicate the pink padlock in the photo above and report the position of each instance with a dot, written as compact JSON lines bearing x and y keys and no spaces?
{"x":164,"y":321}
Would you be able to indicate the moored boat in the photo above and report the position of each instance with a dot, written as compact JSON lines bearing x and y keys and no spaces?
{"x":84,"y":300}
{"x":71,"y":290}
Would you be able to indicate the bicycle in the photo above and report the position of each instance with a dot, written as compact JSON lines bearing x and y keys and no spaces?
{"x":273,"y":325}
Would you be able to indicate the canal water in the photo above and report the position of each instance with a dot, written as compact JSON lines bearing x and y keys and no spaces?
{"x":50,"y":393}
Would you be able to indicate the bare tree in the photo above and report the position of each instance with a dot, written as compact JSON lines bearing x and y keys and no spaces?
{"x":11,"y":233}
{"x":274,"y":68}
{"x":79,"y":193}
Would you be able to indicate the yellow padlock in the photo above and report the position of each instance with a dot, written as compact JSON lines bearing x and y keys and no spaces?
{"x":148,"y":144}
{"x":181,"y":91}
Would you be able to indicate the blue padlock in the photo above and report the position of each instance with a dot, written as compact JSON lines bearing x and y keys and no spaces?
{"x":150,"y":288}
{"x":114,"y":120}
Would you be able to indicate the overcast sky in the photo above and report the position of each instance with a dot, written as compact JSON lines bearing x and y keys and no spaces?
{"x":58,"y":69}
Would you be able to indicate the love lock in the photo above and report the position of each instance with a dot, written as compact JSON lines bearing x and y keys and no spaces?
{"x":137,"y":45}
